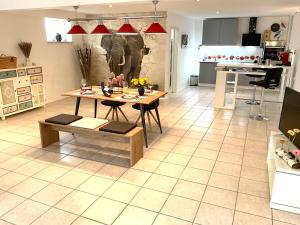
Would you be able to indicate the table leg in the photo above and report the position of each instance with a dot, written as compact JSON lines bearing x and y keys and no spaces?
{"x":95,"y":108}
{"x":77,"y":105}
{"x":158,"y":118}
{"x":144,"y":124}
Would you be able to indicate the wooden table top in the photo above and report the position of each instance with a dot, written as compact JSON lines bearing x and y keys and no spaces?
{"x":148,"y":98}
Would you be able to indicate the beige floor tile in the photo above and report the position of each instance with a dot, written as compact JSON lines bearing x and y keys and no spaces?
{"x":160,"y":183}
{"x":147,"y":165}
{"x":50,"y":173}
{"x":251,"y":187}
{"x":149,"y":199}
{"x":155,"y":154}
{"x":247,"y":219}
{"x":76,"y":202}
{"x":184,"y":150}
{"x":230,"y":158}
{"x":4,"y":157}
{"x":2,"y":222}
{"x":169,"y":169}
{"x":286,"y":217}
{"x":8,"y":202}
{"x":111,"y":171}
{"x":13,"y":163}
{"x":189,"y":190}
{"x":224,"y":181}
{"x":210,"y":145}
{"x":104,"y":210}
{"x":254,"y":205}
{"x":234,"y":149}
{"x":227,"y":169}
{"x":84,"y":221}
{"x":254,"y":174}
{"x":170,"y":138}
{"x":10,"y":179}
{"x":220,"y":197}
{"x":178,"y":159}
{"x":192,"y":142}
{"x":29,"y":187}
{"x":88,"y":166}
{"x":195,"y":175}
{"x":56,"y":216}
{"x":167,"y":220}
{"x":214,"y":215}
{"x":50,"y":157}
{"x":95,"y":185}
{"x":135,"y":177}
{"x":201,"y":163}
{"x":51,"y":194}
{"x":206,"y":153}
{"x":163,"y":146}
{"x":31,"y":168}
{"x":70,"y":161}
{"x":234,"y":141}
{"x":134,"y":215}
{"x":72,"y":179}
{"x":181,"y":208}
{"x":25,"y":213}
{"x":121,"y":192}
{"x":280,"y":223}
{"x":256,"y":162}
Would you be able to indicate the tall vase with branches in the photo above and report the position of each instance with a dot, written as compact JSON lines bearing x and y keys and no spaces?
{"x":26,"y":50}
{"x":84,"y":56}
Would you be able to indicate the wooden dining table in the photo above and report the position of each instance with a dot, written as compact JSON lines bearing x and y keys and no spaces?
{"x":97,"y":94}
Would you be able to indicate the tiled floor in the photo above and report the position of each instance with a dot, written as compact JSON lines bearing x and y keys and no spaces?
{"x":208,"y":168}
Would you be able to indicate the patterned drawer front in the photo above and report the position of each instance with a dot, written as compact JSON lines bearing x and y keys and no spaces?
{"x":23,"y":90}
{"x":8,"y":74}
{"x":25,"y":105}
{"x":21,"y":72}
{"x":8,"y":92}
{"x":24,"y":98}
{"x":10,"y":109}
{"x":36,"y":70}
{"x":36,"y":79}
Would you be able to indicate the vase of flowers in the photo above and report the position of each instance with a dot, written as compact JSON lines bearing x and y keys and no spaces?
{"x":140,"y":84}
{"x":296,"y":154}
{"x":292,"y":136}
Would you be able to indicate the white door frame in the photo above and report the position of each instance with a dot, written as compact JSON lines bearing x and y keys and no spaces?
{"x":174,"y":47}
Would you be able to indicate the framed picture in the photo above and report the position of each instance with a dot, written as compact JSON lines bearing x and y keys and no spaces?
{"x":184,"y":40}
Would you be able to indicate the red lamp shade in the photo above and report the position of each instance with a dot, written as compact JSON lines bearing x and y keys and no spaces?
{"x":101,"y":29}
{"x":155,"y":28}
{"x":127,"y":29}
{"x":77,"y":29}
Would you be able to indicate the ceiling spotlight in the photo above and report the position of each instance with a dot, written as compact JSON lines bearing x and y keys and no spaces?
{"x":110,"y":6}
{"x":218,"y":12}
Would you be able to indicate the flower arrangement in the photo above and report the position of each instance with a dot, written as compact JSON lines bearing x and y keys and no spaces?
{"x":296,"y":153}
{"x":116,"y":81}
{"x":139,"y":82}
{"x":292,"y":136}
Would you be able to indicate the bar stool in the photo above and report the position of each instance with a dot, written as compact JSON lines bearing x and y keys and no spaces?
{"x":253,"y":100}
{"x":114,"y":107}
{"x":271,"y":81}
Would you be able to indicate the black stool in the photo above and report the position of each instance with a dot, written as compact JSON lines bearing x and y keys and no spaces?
{"x":147,"y":110}
{"x":271,"y":81}
{"x":253,"y":100}
{"x":114,"y":107}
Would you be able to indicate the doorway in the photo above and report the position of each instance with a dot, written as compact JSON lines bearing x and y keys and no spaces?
{"x":174,"y":45}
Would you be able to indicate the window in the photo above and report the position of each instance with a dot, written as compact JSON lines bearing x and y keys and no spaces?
{"x":56,"y":30}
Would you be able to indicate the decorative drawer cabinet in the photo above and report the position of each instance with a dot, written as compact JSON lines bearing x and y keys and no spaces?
{"x":21,"y":89}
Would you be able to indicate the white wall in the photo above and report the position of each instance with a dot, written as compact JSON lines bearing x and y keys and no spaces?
{"x":295,"y":45}
{"x":61,"y":71}
{"x":188,"y":58}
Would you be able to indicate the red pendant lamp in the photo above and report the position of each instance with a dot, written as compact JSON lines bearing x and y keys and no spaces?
{"x":101,"y":29}
{"x":127,"y":29}
{"x":76,"y":29}
{"x":155,"y":27}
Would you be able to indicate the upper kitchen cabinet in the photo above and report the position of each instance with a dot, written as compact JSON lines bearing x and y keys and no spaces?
{"x":220,"y":31}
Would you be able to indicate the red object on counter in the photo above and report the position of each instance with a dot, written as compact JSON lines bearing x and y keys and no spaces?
{"x":284,"y":57}
{"x":252,"y":57}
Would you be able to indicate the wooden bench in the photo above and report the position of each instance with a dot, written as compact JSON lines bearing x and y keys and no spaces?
{"x":49,"y":133}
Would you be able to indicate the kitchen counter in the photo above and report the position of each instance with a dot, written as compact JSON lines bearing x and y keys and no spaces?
{"x":250,"y":65}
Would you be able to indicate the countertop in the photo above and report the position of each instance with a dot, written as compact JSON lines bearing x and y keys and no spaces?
{"x":250,"y":65}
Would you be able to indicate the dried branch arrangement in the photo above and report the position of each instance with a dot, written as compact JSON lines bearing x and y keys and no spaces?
{"x":84,"y":57}
{"x":25,"y":48}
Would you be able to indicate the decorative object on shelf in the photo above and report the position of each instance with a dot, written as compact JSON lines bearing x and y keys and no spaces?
{"x":296,"y":154}
{"x":140,"y":83}
{"x":184,"y":40}
{"x":58,"y":37}
{"x":278,"y":29}
{"x":84,"y":58}
{"x":8,"y":62}
{"x":26,"y":50}
{"x":292,"y":136}
{"x":267,"y":35}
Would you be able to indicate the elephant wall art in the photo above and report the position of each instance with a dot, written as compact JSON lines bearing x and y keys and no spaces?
{"x":124,"y":54}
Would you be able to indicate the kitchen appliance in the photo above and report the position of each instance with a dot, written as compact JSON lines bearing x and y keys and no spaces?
{"x":252,"y":38}
{"x":272,"y":49}
{"x":290,"y":112}
{"x":284,"y":57}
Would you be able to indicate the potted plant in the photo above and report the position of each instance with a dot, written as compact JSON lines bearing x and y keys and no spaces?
{"x":140,"y":84}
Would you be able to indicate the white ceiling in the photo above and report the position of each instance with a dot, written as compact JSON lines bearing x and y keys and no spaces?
{"x":190,"y":8}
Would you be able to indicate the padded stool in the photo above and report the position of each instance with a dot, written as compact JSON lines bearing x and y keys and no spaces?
{"x":114,"y":107}
{"x":253,"y":100}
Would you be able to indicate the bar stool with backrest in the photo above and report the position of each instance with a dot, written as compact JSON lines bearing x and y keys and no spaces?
{"x":114,"y":107}
{"x":254,"y":77}
{"x":271,"y":81}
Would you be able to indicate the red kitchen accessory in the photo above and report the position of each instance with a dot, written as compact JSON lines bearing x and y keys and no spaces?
{"x":284,"y":57}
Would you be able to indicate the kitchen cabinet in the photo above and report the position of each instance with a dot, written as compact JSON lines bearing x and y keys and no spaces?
{"x":207,"y":73}
{"x":220,"y":31}
{"x":21,"y":89}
